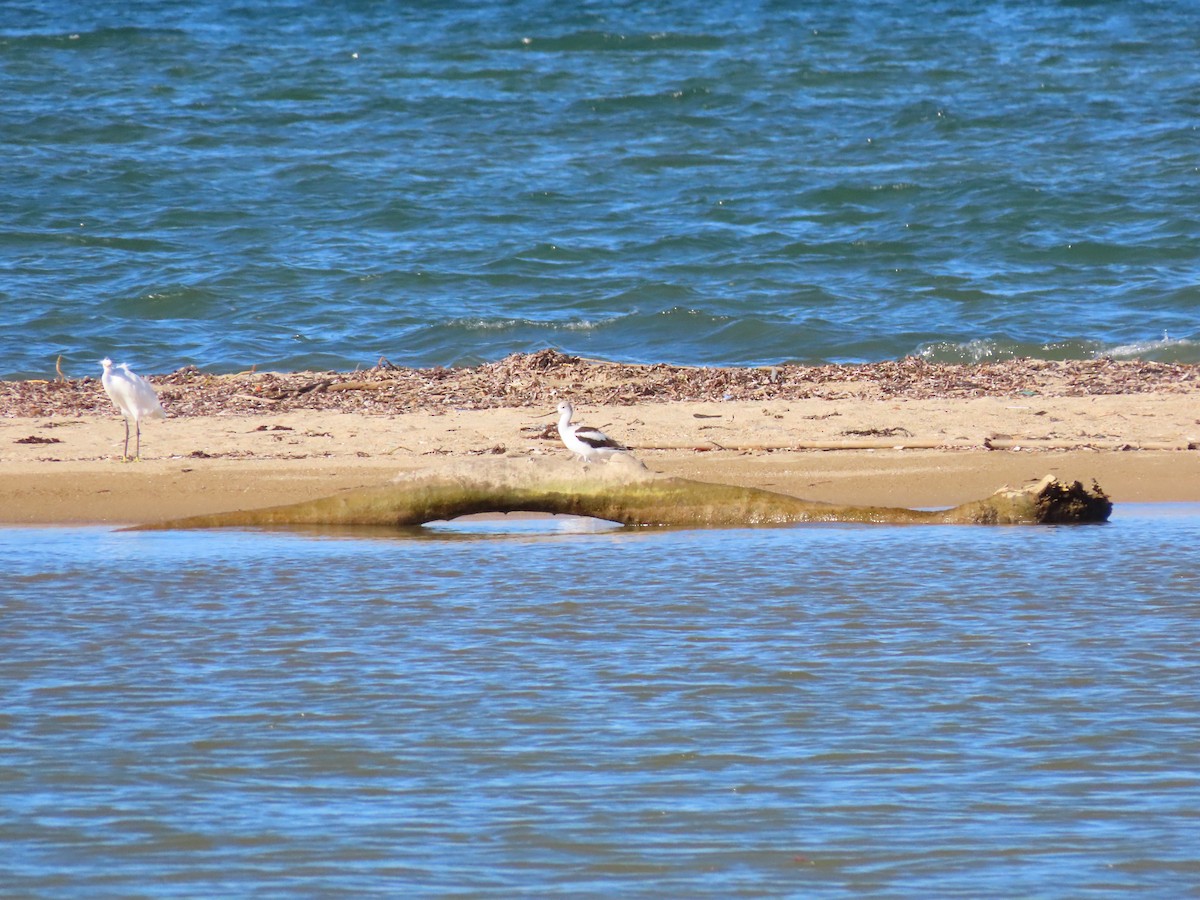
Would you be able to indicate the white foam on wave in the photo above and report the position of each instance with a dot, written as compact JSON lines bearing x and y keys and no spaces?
{"x":1164,"y":346}
{"x":972,"y":352}
{"x":978,"y":351}
{"x":985,"y":350}
{"x":510,"y":323}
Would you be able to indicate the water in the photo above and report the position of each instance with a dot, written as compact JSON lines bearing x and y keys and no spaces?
{"x":809,"y":711}
{"x":310,"y":185}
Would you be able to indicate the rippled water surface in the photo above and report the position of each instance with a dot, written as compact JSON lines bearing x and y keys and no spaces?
{"x":316,"y":185}
{"x":809,"y":711}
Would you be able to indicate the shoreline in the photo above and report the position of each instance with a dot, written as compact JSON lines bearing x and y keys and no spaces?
{"x":896,"y":434}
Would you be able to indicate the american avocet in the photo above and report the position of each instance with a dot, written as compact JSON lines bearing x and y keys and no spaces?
{"x":585,"y":442}
{"x":134,"y":397}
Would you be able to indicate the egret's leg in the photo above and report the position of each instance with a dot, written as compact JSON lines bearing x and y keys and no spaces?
{"x":125,"y":452}
{"x":138,"y":426}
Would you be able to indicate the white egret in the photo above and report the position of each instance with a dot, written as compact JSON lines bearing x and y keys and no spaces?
{"x":585,"y":442}
{"x":134,"y":396}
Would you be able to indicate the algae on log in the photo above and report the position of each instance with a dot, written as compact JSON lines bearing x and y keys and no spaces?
{"x":624,"y":491}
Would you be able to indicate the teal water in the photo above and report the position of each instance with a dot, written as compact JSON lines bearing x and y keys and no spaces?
{"x":811,"y":711}
{"x":307,"y":185}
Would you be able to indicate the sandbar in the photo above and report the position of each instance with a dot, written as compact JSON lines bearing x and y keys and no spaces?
{"x":898,"y":434}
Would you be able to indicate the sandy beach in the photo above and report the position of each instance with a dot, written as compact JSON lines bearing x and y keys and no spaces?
{"x":896,"y":434}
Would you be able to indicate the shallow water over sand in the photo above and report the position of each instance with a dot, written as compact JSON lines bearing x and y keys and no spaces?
{"x":823,"y":710}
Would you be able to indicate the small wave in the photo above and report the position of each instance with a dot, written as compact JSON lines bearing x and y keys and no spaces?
{"x":696,"y":95}
{"x":478,"y":324}
{"x":121,"y":37}
{"x":608,"y":41}
{"x":674,"y":335}
{"x":984,"y":350}
{"x":658,"y":161}
{"x":1164,"y":349}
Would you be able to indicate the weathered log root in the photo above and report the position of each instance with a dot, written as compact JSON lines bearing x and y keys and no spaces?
{"x":621,"y":491}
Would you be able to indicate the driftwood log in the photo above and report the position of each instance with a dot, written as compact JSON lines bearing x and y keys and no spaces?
{"x":623,"y":491}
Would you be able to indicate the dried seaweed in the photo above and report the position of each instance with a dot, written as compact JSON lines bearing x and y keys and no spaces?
{"x":539,"y":380}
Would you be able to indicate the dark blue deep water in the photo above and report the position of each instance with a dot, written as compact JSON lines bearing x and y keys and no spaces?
{"x":813,"y":711}
{"x":314,"y":185}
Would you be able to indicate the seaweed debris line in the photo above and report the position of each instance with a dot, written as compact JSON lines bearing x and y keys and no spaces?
{"x":624,"y":491}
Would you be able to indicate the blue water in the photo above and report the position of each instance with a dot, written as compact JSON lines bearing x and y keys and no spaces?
{"x":809,"y":711}
{"x":310,"y":185}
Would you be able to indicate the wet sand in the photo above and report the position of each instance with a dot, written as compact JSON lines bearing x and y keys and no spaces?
{"x":894,"y":434}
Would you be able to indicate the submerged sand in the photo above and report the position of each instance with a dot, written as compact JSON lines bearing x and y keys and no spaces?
{"x":903,"y":434}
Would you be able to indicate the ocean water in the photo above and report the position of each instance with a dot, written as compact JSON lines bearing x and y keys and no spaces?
{"x":535,"y":710}
{"x":310,"y":185}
